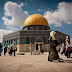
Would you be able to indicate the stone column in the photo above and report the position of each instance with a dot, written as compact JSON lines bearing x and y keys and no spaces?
{"x":10,"y":41}
{"x":19,"y":39}
{"x":35,"y":46}
{"x":6,"y":41}
{"x":39,"y":47}
{"x":31,"y":48}
{"x":16,"y":39}
{"x":13,"y":39}
{"x":25,"y":43}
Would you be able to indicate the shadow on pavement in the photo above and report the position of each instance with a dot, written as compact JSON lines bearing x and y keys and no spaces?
{"x":67,"y":61}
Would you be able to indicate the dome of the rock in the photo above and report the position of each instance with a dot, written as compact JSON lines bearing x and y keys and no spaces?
{"x":35,"y":19}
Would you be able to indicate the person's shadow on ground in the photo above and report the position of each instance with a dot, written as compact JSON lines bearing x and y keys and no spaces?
{"x":65,"y":61}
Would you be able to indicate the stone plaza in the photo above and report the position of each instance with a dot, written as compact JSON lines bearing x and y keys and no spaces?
{"x":34,"y":63}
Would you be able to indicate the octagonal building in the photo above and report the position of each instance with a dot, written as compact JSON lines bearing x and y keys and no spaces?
{"x":33,"y":36}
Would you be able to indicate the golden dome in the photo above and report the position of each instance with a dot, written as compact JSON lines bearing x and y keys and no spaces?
{"x":35,"y":19}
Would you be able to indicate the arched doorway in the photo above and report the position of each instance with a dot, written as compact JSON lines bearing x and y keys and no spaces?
{"x":39,"y":45}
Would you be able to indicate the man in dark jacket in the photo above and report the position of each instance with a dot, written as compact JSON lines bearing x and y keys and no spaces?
{"x":0,"y":49}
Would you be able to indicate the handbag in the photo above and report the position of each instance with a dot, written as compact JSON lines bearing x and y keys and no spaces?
{"x":69,"y":48}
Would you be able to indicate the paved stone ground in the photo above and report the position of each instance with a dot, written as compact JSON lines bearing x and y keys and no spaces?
{"x":33,"y":63}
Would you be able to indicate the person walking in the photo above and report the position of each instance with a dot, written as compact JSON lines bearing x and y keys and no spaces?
{"x":10,"y":50}
{"x":53,"y":55}
{"x":14,"y":47}
{"x":0,"y":49}
{"x":5,"y":49}
{"x":68,"y":47}
{"x":62,"y":50}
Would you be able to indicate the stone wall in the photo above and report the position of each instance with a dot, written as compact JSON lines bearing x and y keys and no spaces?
{"x":26,"y":47}
{"x":21,"y":48}
{"x":46,"y":47}
{"x":33,"y":47}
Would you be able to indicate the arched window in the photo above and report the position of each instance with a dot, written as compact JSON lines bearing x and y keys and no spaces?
{"x":11,"y":41}
{"x":27,"y":40}
{"x":32,"y":40}
{"x":44,"y":40}
{"x":15,"y":39}
{"x":5,"y":42}
{"x":22,"y":39}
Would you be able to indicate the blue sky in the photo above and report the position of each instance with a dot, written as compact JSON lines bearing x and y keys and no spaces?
{"x":43,"y":7}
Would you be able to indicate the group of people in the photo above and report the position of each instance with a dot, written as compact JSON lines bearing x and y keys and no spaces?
{"x":66,"y":48}
{"x":10,"y":49}
{"x":53,"y":53}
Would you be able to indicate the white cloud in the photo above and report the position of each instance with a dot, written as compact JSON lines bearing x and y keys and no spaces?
{"x":39,"y":10}
{"x":63,"y":14}
{"x":4,"y":32}
{"x":17,"y":15}
{"x":22,"y":4}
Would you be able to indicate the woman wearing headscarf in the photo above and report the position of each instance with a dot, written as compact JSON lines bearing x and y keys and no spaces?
{"x":0,"y":49}
{"x":53,"y":55}
{"x":5,"y":49}
{"x":68,"y":47}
